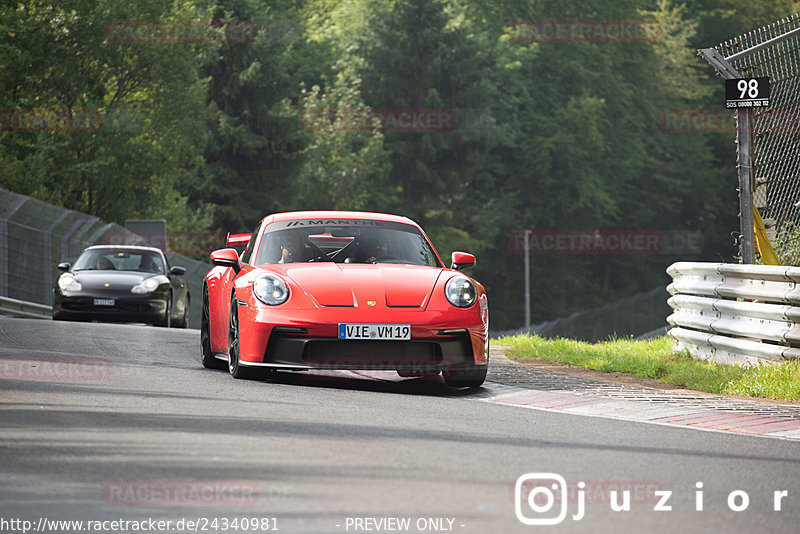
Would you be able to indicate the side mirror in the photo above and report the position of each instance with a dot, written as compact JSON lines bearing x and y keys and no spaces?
{"x":178,"y":270}
{"x":226,"y":257}
{"x":64,"y":267}
{"x":461,"y":261}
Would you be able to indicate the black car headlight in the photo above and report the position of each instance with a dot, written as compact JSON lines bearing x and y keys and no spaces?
{"x":148,"y":285}
{"x":68,"y":282}
{"x":270,"y":289}
{"x":460,"y":292}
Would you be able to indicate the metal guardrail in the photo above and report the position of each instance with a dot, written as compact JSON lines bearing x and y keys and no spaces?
{"x":735,"y":313}
{"x":21,"y":308}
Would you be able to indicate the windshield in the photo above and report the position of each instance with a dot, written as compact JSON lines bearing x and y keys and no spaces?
{"x":106,"y":259}
{"x":348,"y":242}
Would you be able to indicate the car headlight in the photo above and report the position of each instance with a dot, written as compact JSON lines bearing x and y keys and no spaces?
{"x":68,"y":282}
{"x":460,"y":292}
{"x":148,"y":285}
{"x":270,"y":289}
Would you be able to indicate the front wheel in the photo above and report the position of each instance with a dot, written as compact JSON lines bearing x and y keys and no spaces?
{"x":472,"y":378}
{"x":206,"y":355}
{"x":183,"y":322}
{"x":167,"y":321}
{"x":235,"y":367}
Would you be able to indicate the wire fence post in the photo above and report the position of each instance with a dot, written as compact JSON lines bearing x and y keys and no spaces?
{"x":527,"y":281}
{"x":3,"y":257}
{"x":743,"y":138}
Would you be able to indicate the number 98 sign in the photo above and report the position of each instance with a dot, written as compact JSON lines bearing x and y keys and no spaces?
{"x":747,"y":93}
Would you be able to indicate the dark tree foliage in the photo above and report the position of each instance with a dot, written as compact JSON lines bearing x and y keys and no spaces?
{"x":252,"y":157}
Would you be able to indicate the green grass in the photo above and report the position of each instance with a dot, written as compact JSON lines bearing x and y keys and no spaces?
{"x":654,"y":358}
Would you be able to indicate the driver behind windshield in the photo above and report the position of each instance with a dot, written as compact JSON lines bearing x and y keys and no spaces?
{"x":148,"y":264}
{"x":292,"y":248}
{"x":103,"y":264}
{"x":374,"y":249}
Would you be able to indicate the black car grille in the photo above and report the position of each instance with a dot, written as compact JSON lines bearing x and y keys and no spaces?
{"x":370,"y":353}
{"x":87,"y":305}
{"x":292,"y":347}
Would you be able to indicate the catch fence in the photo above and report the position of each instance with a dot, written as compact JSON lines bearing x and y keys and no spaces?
{"x":768,"y":138}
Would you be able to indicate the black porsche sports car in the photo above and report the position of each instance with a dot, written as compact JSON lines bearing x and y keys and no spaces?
{"x":122,"y":284}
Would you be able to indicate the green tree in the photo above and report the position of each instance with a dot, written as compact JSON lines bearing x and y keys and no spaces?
{"x":149,"y":98}
{"x":345,"y":165}
{"x":423,"y":55}
{"x":253,"y":156}
{"x":580,"y":148}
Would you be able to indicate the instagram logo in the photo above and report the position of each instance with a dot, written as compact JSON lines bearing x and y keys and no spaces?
{"x":540,"y":492}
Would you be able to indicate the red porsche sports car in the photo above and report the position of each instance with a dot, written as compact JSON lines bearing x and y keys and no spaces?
{"x":343,"y":290}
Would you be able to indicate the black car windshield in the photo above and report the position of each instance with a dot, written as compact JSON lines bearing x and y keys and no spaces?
{"x":350,"y":241}
{"x":108,"y":259}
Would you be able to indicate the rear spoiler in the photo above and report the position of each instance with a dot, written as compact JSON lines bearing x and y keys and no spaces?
{"x":237,"y":239}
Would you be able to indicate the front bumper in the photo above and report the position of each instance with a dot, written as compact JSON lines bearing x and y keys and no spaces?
{"x":288,"y":348}
{"x":132,"y":310}
{"x":439,"y":341}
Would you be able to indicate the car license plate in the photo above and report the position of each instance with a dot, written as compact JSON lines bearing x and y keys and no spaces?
{"x":374,"y":331}
{"x":104,"y":302}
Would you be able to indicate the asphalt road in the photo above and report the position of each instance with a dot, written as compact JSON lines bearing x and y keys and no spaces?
{"x":110,"y":422}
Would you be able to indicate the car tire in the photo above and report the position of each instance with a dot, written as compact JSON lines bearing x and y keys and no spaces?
{"x":206,"y":355}
{"x":183,"y":322}
{"x":235,"y":368}
{"x":166,"y":322}
{"x":472,"y":378}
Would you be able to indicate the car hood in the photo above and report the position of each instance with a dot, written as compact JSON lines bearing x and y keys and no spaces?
{"x":344,"y":284}
{"x":115,"y":279}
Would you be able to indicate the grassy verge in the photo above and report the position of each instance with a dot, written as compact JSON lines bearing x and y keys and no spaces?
{"x":654,"y":358}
